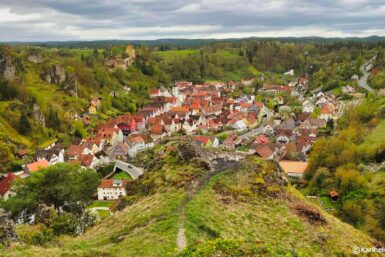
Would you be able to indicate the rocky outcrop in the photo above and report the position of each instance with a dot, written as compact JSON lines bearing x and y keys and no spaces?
{"x":71,"y":85}
{"x":35,"y":58}
{"x":38,"y":115}
{"x":7,"y":66}
{"x":7,"y":229}
{"x":56,"y":74}
{"x":188,"y":151}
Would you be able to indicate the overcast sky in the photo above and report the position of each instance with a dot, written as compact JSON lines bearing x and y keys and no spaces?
{"x":45,"y":20}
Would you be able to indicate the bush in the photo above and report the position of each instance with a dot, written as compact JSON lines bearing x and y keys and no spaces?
{"x":36,"y":235}
{"x":65,"y":224}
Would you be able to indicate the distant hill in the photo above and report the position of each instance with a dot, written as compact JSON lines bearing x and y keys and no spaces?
{"x":188,"y":43}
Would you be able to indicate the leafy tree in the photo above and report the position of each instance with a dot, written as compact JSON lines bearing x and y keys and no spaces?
{"x":65,"y":187}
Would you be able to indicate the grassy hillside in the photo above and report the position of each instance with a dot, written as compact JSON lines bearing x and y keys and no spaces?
{"x":246,"y":211}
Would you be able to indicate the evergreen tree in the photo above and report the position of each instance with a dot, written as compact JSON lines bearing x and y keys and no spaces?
{"x":24,"y":126}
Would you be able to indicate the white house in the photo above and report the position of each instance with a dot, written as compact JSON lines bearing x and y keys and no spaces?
{"x":240,"y":125}
{"x":53,"y":154}
{"x":112,"y":189}
{"x":307,"y":106}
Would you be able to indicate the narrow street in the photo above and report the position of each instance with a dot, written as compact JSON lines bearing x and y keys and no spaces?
{"x":363,"y":81}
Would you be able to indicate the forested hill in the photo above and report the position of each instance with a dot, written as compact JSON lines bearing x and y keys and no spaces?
{"x":188,"y":43}
{"x":354,"y":166}
{"x":43,"y":92}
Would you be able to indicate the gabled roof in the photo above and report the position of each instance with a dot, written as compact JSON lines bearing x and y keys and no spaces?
{"x":86,"y":160}
{"x":157,"y":129}
{"x":75,"y":150}
{"x":264,"y":151}
{"x":262,"y":139}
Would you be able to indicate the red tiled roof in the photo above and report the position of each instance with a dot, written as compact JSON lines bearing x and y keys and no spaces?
{"x":202,"y":139}
{"x":86,"y":160}
{"x":5,"y":183}
{"x":154,"y":91}
{"x":75,"y":150}
{"x":264,"y":151}
{"x":157,"y":129}
{"x":262,"y":139}
{"x":180,"y":109}
{"x":109,"y":183}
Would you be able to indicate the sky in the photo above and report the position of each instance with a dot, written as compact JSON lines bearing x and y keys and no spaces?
{"x":60,"y":20}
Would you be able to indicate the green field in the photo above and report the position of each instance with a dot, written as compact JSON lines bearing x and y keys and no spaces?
{"x":375,"y":137}
{"x":168,"y":55}
{"x":101,"y":204}
{"x":171,"y":54}
{"x":374,"y":142}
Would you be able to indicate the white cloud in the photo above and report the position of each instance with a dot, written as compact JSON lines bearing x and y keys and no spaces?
{"x":43,"y":20}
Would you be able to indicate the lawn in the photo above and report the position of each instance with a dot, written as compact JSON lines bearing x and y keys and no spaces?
{"x":103,"y":213}
{"x":122,"y":175}
{"x":328,"y":203}
{"x":101,"y":204}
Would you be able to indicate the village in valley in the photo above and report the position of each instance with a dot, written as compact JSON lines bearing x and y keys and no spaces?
{"x":274,"y":122}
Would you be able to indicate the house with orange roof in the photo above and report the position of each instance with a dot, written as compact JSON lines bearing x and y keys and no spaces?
{"x":266,"y":151}
{"x":36,"y":166}
{"x":75,"y":151}
{"x":154,"y":92}
{"x":251,"y":121}
{"x":203,"y":141}
{"x":139,"y":142}
{"x":180,"y":112}
{"x":112,"y":136}
{"x":158,"y":131}
{"x":112,"y":189}
{"x":327,"y":111}
{"x":262,"y":139}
